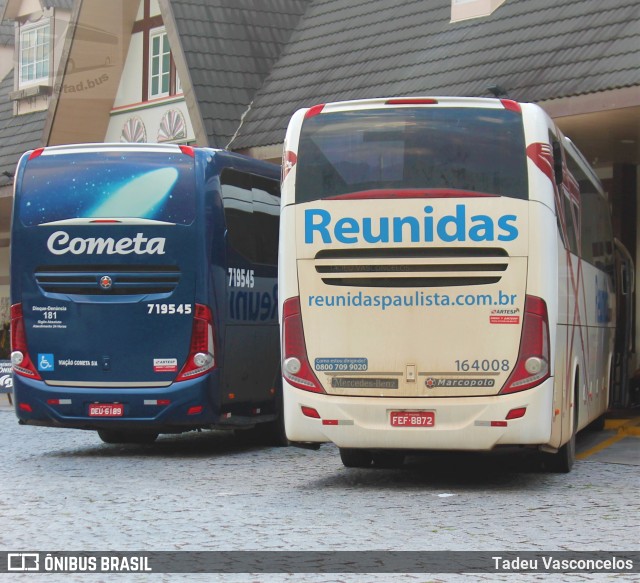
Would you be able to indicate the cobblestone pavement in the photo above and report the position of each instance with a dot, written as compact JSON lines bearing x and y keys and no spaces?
{"x":64,"y":490}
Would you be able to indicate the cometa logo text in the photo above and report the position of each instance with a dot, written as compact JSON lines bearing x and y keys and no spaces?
{"x":60,"y":243}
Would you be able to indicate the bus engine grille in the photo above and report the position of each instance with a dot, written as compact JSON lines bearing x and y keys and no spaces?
{"x":411,"y":266}
{"x":107,"y":280}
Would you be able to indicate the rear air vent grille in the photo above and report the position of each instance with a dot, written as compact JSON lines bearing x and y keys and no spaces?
{"x":107,"y":280}
{"x":411,"y":267}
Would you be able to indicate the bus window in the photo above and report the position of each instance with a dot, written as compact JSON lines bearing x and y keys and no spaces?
{"x":251,"y":207}
{"x":441,"y":148}
{"x":596,"y":230}
{"x":570,"y":216}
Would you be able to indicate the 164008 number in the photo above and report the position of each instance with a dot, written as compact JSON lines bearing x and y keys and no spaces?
{"x":486,"y":365}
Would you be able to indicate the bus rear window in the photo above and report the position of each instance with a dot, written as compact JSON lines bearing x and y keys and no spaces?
{"x":470,"y":149}
{"x":108,"y":184}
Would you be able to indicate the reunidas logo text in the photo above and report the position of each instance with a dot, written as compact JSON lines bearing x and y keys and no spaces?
{"x":426,"y":229}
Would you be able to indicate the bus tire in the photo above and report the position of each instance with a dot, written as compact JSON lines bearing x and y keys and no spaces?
{"x":273,"y":431}
{"x":116,"y":436}
{"x":562,"y":461}
{"x":355,"y":458}
{"x":388,"y":459}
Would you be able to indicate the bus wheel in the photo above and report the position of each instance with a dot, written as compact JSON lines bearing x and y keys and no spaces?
{"x":114,"y":436}
{"x":273,"y":432}
{"x":562,"y":461}
{"x":355,"y":458}
{"x":388,"y":459}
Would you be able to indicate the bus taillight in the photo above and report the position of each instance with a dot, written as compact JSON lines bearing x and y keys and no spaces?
{"x":511,"y":105}
{"x":313,"y":111}
{"x":295,"y":363}
{"x":20,"y":359}
{"x":201,"y":357}
{"x":35,"y":153}
{"x":532,"y":366}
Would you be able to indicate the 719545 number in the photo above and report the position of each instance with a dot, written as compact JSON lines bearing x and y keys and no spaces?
{"x":168,"y":309}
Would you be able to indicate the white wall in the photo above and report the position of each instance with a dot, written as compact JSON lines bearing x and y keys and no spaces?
{"x":128,"y":103}
{"x":6,"y":61}
{"x":130,"y":88}
{"x":154,"y":8}
{"x":28,"y":7}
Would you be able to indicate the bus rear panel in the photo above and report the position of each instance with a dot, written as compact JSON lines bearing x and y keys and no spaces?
{"x":431,"y":296}
{"x":120,"y":291}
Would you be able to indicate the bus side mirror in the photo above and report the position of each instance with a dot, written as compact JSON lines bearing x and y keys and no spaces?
{"x":557,"y":162}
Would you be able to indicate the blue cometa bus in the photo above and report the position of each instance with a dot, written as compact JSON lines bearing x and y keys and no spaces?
{"x":143,"y":290}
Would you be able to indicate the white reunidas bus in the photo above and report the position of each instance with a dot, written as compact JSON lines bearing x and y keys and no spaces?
{"x":445,"y":280}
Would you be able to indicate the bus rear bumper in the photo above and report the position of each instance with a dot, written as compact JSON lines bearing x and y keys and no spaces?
{"x":180,"y":406}
{"x":461,"y":423}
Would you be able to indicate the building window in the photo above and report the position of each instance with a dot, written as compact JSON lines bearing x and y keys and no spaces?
{"x":34,"y":54}
{"x":162,"y":75}
{"x":159,"y":65}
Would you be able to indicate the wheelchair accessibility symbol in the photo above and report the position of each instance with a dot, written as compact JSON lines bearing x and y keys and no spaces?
{"x":46,"y":362}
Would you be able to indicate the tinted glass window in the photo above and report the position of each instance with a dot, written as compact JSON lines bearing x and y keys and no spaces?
{"x":251,"y":209}
{"x":596,"y":231}
{"x":570,"y":216}
{"x":119,"y":184}
{"x":470,"y":149}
